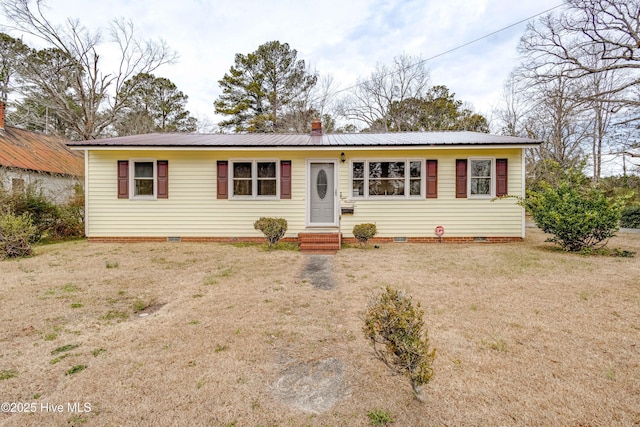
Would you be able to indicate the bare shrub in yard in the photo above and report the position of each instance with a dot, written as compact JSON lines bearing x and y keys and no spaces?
{"x":272,"y":228}
{"x":17,"y":234}
{"x":396,"y":331}
{"x":364,"y":232}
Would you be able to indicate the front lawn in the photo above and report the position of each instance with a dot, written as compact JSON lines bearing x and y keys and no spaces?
{"x":213,"y":334}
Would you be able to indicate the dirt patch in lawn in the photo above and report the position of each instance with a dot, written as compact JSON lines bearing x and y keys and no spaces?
{"x":150,"y":309}
{"x":318,"y":271}
{"x":525,"y":335}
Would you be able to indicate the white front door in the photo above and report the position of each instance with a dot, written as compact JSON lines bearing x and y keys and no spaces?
{"x":322,"y":193}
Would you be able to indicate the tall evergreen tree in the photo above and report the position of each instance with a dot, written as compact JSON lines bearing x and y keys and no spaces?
{"x":262,"y":87}
{"x":36,"y":108}
{"x":153,"y":104}
{"x":12,"y":53}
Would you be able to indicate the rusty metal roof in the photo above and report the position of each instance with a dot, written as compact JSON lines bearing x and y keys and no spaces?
{"x":262,"y":140}
{"x":23,"y":149}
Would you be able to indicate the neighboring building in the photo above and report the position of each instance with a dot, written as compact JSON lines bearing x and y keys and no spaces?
{"x":33,"y":159}
{"x":213,"y":187}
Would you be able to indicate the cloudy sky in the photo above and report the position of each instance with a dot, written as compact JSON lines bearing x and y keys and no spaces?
{"x":341,"y":38}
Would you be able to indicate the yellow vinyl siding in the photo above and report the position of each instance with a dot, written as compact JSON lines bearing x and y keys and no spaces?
{"x":418,"y":217}
{"x":193,"y":210}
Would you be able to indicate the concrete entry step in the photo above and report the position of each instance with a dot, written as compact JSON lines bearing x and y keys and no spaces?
{"x":319,"y":242}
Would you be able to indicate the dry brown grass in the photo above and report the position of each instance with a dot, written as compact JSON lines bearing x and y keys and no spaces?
{"x":525,"y":335}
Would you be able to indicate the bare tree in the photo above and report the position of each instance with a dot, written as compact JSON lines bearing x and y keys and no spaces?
{"x":557,"y":118}
{"x":566,"y":44}
{"x":517,"y":116}
{"x":601,"y":110}
{"x":372,"y":100}
{"x":93,"y":97}
{"x":514,"y":107}
{"x":593,"y":45}
{"x":317,"y":102}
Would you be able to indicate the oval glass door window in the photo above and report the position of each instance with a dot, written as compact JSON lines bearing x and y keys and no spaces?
{"x":321,"y":184}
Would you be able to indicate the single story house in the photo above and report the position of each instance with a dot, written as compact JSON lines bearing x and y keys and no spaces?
{"x":43,"y":161}
{"x":416,"y":187}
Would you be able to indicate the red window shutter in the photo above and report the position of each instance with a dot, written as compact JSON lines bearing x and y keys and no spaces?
{"x":432,"y":179}
{"x":123,"y":179}
{"x":501,"y":177}
{"x":285,"y":179}
{"x":223,"y":179}
{"x":163,"y":179}
{"x":461,"y":178}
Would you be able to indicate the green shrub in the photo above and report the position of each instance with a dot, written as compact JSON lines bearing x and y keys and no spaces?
{"x":396,"y":331}
{"x":17,"y":234}
{"x":272,"y":228}
{"x":69,"y":218}
{"x":68,"y":223}
{"x":57,"y":222}
{"x":34,"y":202}
{"x":630,"y":217}
{"x":364,"y":232}
{"x":579,"y":216}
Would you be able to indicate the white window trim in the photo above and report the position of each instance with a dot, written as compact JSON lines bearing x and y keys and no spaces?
{"x":254,"y":179}
{"x":132,"y":179}
{"x":407,"y":179}
{"x":492,"y":184}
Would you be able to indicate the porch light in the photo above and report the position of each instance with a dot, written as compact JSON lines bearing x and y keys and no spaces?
{"x":343,"y":158}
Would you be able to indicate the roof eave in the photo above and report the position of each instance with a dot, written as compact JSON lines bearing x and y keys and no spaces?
{"x":299,"y":147}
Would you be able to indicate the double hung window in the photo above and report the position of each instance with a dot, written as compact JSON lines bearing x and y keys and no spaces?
{"x":480,"y":177}
{"x":143,"y":179}
{"x":257,"y":178}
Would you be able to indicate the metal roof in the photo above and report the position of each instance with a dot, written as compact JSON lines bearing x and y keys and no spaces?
{"x":23,"y":149}
{"x":262,"y":140}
